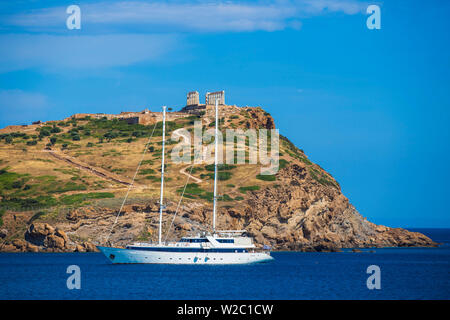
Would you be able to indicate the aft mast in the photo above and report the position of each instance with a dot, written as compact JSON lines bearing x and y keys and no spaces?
{"x":215,"y":167}
{"x":161,"y":206}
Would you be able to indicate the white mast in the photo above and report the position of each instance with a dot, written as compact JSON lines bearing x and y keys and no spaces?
{"x":161,"y":206}
{"x":216,"y":152}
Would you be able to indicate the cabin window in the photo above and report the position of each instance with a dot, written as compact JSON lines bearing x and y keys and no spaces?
{"x":225,"y":240}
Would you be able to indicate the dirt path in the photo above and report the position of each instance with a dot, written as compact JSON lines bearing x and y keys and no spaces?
{"x":93,"y":170}
{"x":183,"y":170}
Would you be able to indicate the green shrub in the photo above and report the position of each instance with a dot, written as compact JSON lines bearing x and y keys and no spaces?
{"x":322,"y":178}
{"x":196,"y":169}
{"x":79,"y":198}
{"x":192,"y":188}
{"x":283,"y":163}
{"x":153,"y":178}
{"x":208,"y":196}
{"x":144,"y":162}
{"x":55,"y":129}
{"x":28,"y":203}
{"x":266,"y":177}
{"x":44,"y":133}
{"x":2,"y":212}
{"x":146,"y":171}
{"x":36,"y":216}
{"x":32,"y":143}
{"x":225,"y":197}
{"x":221,"y":175}
{"x":220,"y":167}
{"x":17,"y":184}
{"x":8,"y":180}
{"x":248,"y":188}
{"x":69,"y":186}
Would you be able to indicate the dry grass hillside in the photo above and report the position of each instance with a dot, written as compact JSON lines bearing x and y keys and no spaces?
{"x":62,"y":183}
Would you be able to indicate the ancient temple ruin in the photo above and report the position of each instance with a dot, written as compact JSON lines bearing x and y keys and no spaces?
{"x":211,"y":98}
{"x":193,"y":98}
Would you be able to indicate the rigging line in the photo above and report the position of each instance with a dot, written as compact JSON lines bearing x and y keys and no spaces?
{"x":181,"y":198}
{"x":132,"y":182}
{"x":179,"y":202}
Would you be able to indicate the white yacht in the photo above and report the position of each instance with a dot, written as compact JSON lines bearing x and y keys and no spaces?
{"x":217,"y":247}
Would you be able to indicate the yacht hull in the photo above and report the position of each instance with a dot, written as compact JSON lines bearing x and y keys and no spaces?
{"x":119,"y":255}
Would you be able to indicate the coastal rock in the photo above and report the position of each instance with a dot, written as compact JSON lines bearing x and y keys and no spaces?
{"x":18,"y":245}
{"x":37,"y":233}
{"x":8,"y":247}
{"x":185,"y":226}
{"x":45,"y":236}
{"x":32,"y":247}
{"x":61,"y":234}
{"x":79,"y":248}
{"x":89,"y":247}
{"x":54,"y":241}
{"x":3,"y":233}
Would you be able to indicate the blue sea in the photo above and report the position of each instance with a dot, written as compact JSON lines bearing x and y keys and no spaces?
{"x":406,"y":273}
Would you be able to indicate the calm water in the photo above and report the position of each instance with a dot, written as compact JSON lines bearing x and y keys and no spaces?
{"x":405,"y":274}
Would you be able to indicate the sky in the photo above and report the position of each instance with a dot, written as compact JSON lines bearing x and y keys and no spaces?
{"x":369,"y":106}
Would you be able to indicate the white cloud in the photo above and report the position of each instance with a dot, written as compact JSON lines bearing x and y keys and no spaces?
{"x":180,"y":16}
{"x":315,"y":7}
{"x":60,"y":52}
{"x":124,"y":33}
